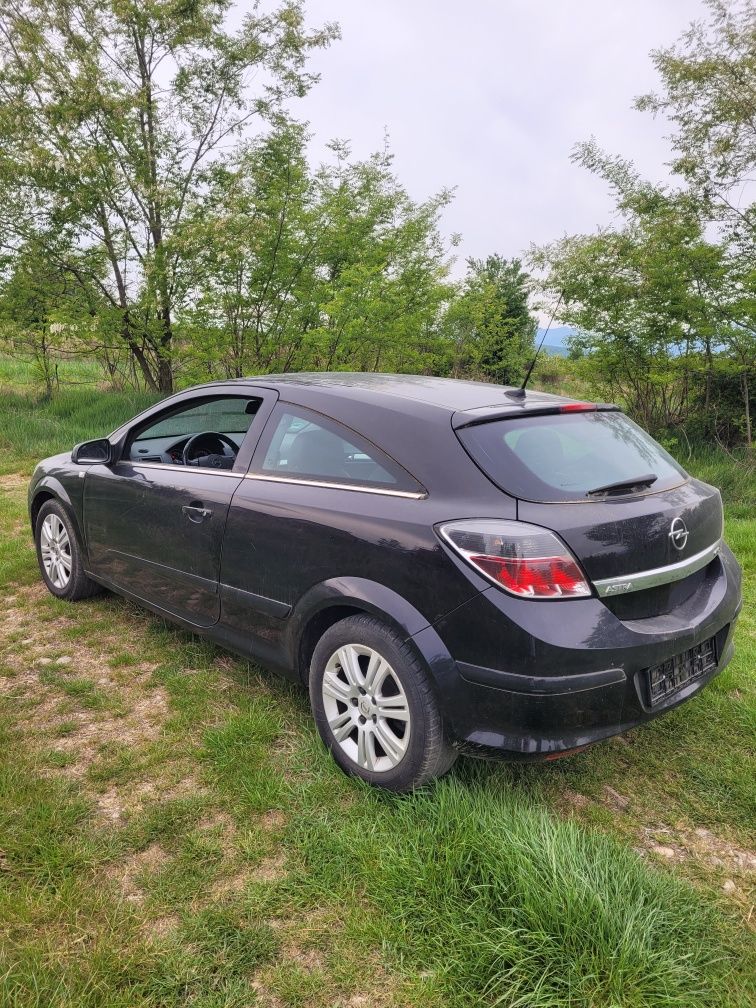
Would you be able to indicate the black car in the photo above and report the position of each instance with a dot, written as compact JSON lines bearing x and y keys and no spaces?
{"x":449,"y":565}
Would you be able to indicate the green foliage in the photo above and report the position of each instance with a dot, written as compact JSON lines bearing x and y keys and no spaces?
{"x":505,"y":905}
{"x":148,"y":225}
{"x":33,"y":429}
{"x":666,"y":302}
{"x":295,"y":270}
{"x":111,"y":116}
{"x":489,"y":325}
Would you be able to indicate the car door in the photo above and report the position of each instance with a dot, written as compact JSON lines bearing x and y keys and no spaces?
{"x":319,"y":501}
{"x":154,"y":525}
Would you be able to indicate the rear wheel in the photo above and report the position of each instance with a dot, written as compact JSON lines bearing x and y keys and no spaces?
{"x":59,"y":556}
{"x":374,"y":707}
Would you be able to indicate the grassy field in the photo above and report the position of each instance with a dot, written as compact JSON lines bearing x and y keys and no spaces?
{"x":173,"y":834}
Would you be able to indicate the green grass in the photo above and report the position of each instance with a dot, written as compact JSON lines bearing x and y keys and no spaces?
{"x":34,"y":426}
{"x":172,"y":832}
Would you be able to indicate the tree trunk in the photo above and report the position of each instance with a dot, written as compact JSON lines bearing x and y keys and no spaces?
{"x":165,"y":374}
{"x":746,"y":401}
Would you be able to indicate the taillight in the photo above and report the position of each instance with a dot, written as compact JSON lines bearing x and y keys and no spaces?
{"x":524,"y":560}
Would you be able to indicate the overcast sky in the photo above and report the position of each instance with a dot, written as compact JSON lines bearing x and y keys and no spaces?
{"x":490,"y":96}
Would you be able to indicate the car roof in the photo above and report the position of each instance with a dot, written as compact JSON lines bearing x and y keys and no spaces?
{"x":405,"y":392}
{"x":385,"y":408}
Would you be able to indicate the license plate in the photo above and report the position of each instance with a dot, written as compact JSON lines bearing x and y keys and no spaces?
{"x":671,"y":675}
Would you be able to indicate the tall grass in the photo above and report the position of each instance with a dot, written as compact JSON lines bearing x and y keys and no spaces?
{"x":502,"y":903}
{"x":34,"y":428}
{"x":733,"y":473}
{"x":24,"y":374}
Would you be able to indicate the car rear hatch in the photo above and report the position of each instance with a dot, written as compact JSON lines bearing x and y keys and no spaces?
{"x":645,"y":533}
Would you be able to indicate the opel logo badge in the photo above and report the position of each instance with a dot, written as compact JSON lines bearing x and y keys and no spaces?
{"x":678,"y":533}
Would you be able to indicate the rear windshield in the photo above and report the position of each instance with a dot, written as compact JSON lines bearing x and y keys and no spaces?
{"x":564,"y":456}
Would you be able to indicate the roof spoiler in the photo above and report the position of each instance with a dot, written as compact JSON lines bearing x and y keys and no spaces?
{"x":466,"y":418}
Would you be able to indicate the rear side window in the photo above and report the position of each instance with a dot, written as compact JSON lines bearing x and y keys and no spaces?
{"x":303,"y":444}
{"x":565,"y":456}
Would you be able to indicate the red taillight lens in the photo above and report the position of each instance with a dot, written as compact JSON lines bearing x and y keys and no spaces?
{"x":523,"y":559}
{"x":546,"y":577}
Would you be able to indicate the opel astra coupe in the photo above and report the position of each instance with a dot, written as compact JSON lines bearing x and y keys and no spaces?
{"x":448,"y":565}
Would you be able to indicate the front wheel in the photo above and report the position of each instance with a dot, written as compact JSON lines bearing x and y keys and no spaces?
{"x":59,"y":556}
{"x":374,"y":706}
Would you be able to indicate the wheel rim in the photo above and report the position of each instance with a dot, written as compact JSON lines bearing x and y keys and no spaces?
{"x":366,"y":708}
{"x":55,"y":547}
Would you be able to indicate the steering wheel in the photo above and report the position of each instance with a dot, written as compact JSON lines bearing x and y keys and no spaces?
{"x":214,"y":458}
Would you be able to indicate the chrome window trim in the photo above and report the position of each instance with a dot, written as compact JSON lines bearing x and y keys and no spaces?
{"x":658,"y":576}
{"x":408,"y":494}
{"x":180,"y":468}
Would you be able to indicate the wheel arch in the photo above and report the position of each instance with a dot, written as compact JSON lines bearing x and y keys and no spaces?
{"x":336,"y":599}
{"x":48,"y":489}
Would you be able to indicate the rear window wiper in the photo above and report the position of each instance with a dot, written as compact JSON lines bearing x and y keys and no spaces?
{"x":626,"y":484}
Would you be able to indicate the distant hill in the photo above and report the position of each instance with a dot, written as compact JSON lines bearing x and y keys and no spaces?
{"x":554,"y":351}
{"x":558,"y":336}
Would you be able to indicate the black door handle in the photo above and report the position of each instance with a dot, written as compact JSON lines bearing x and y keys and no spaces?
{"x":196,"y":512}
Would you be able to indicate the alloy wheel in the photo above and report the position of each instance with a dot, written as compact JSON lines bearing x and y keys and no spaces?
{"x":55,"y":547}
{"x":366,"y":708}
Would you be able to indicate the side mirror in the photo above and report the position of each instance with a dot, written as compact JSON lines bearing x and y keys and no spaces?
{"x":89,"y":452}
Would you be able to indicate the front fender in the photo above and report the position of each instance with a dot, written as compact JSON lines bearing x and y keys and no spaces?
{"x":49,"y":486}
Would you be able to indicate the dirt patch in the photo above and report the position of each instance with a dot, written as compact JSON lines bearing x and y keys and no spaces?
{"x":14,"y":481}
{"x":735,"y":866}
{"x":572,"y":800}
{"x":270,"y":870}
{"x":217,"y":822}
{"x":141,"y":724}
{"x":127,"y":874}
{"x":264,"y":997}
{"x":123,"y":802}
{"x":75,"y":705}
{"x":308,"y":941}
{"x":308,"y":959}
{"x":231,"y":885}
{"x":162,"y":927}
{"x":616,"y":801}
{"x":273,"y":820}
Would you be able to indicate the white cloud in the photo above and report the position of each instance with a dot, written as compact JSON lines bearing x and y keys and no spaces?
{"x":490,"y":97}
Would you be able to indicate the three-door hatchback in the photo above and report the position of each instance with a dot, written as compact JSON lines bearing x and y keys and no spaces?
{"x":448,"y":565}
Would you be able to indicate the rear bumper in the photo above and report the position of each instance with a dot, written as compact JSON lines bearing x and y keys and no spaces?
{"x":526,"y":680}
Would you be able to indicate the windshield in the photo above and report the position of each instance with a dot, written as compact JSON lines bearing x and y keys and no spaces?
{"x":566,"y":456}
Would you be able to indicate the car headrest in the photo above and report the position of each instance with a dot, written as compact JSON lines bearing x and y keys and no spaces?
{"x":317,"y":452}
{"x":540,"y":448}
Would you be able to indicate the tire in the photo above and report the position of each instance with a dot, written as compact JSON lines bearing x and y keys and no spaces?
{"x":59,"y":555}
{"x":362,"y":672}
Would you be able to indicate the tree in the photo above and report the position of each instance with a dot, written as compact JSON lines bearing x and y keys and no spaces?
{"x":490,"y":325}
{"x":299,"y":270}
{"x":709,"y":94}
{"x":669,"y":294}
{"x":44,"y":314}
{"x":640,"y":296}
{"x":113,"y":115}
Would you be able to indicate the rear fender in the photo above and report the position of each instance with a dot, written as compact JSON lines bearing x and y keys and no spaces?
{"x":364,"y":595}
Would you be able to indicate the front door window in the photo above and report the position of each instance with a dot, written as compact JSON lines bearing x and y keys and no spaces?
{"x":205,"y":434}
